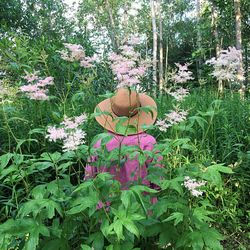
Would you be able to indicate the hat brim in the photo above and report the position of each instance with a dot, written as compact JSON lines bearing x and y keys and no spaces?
{"x":146,"y":116}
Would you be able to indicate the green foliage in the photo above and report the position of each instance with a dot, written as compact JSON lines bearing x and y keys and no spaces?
{"x":45,"y":202}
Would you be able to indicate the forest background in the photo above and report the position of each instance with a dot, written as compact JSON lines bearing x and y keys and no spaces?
{"x":215,"y":137}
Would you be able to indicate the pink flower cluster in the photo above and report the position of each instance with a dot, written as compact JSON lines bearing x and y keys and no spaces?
{"x":75,"y":52}
{"x":179,"y":94}
{"x":192,"y":185}
{"x":127,"y":66}
{"x":226,"y":65}
{"x":69,"y":132}
{"x":173,"y":118}
{"x":183,"y":74}
{"x":38,"y":90}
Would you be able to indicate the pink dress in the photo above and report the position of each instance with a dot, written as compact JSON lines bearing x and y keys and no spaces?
{"x":131,"y":170}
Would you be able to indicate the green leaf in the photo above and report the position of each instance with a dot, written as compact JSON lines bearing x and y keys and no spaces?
{"x":4,"y":160}
{"x":141,"y":188}
{"x":22,"y":141}
{"x":212,"y":238}
{"x":85,"y":247}
{"x":196,"y":240}
{"x":202,"y":215}
{"x":125,"y":197}
{"x":56,"y":244}
{"x":54,"y":157}
{"x":84,"y":186}
{"x":118,"y":228}
{"x":42,"y":165}
{"x":176,"y":216}
{"x":82,"y":203}
{"x":174,"y":184}
{"x":7,"y":171}
{"x":36,"y":206}
{"x":131,"y":227}
{"x":147,"y":109}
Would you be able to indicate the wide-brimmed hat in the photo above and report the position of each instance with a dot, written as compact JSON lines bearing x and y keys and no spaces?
{"x":127,"y":112}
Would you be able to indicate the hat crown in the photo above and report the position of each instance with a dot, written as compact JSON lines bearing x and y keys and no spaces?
{"x":125,"y":102}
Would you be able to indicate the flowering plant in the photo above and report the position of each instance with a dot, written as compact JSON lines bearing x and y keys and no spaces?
{"x":226,"y":65}
{"x":69,"y":132}
{"x":75,"y":52}
{"x":182,"y":75}
{"x":37,"y":89}
{"x":127,"y":66}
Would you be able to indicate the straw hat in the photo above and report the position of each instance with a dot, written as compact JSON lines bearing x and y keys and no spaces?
{"x":127,"y":112}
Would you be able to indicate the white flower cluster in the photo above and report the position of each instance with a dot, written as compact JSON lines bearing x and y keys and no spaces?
{"x":172,"y":118}
{"x":179,"y":94}
{"x":69,"y":132}
{"x":183,"y":74}
{"x":226,"y":65}
{"x":192,"y":185}
{"x":75,"y":52}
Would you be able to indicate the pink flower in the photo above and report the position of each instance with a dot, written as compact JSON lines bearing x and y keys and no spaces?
{"x":183,"y":74}
{"x":39,"y":95}
{"x":134,"y":40}
{"x":30,"y":77}
{"x":74,"y":139}
{"x":29,"y":88}
{"x":37,"y":91}
{"x":175,"y":117}
{"x":179,"y":94}
{"x":162,"y":125}
{"x":192,"y":185}
{"x":47,"y":81}
{"x":127,"y":67}
{"x":55,"y":134}
{"x":226,"y":65}
{"x":75,"y":52}
{"x":172,"y":118}
{"x":69,"y":132}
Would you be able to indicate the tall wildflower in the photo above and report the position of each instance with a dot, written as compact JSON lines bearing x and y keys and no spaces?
{"x":192,"y":185}
{"x":75,"y":52}
{"x":182,"y":75}
{"x":171,"y":119}
{"x":37,"y":89}
{"x":127,"y":66}
{"x":179,"y":94}
{"x":69,"y":132}
{"x":226,"y":65}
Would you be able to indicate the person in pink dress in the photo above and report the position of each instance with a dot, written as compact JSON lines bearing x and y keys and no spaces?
{"x":131,"y":132}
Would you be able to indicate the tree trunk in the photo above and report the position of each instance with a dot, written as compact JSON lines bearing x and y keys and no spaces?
{"x":239,"y":44}
{"x":246,"y":65}
{"x":166,"y":63}
{"x":153,"y":17}
{"x":214,"y":25}
{"x":199,"y":48}
{"x":114,"y":39}
{"x":161,"y":79}
{"x":215,"y":28}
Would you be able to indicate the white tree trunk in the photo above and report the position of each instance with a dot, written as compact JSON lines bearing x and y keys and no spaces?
{"x":113,"y":36}
{"x":239,"y":43}
{"x":214,"y":25}
{"x":154,"y":28}
{"x":198,"y":17}
{"x":161,"y":79}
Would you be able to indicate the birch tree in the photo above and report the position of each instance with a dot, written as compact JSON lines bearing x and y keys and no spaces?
{"x":161,"y":79}
{"x":239,"y":42}
{"x":154,"y":28}
{"x":198,"y":20}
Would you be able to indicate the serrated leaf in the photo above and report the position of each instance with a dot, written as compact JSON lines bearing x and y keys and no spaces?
{"x":118,"y":228}
{"x":131,"y":227}
{"x":176,"y":216}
